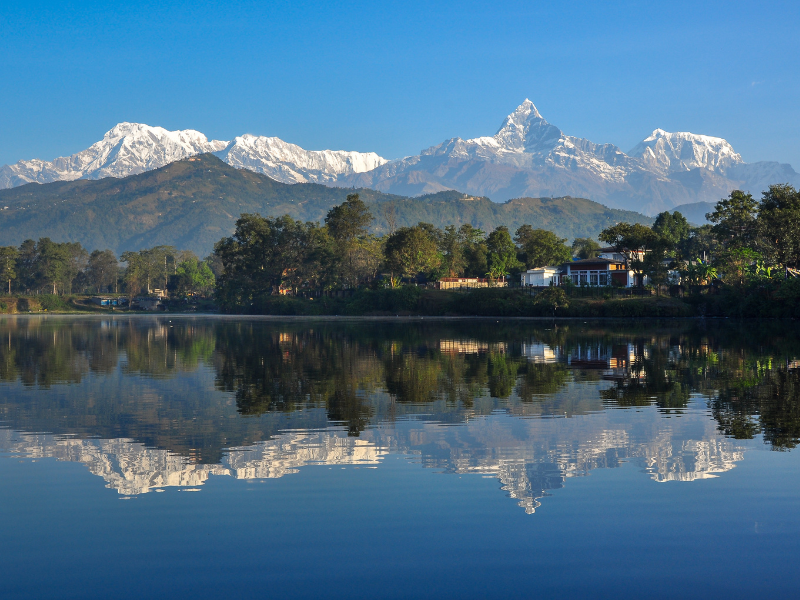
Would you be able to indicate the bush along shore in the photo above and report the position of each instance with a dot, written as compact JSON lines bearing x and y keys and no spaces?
{"x":780,"y":299}
{"x":499,"y":302}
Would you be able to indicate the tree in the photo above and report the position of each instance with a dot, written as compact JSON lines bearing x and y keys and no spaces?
{"x":636,"y":242}
{"x":502,"y":253}
{"x":102,"y":270}
{"x":135,"y":272}
{"x":701,"y":244}
{"x":674,"y":229}
{"x":540,"y":248}
{"x":779,"y":224}
{"x":737,"y":264}
{"x":27,"y":265}
{"x":8,"y":264}
{"x":192,"y":276}
{"x":264,"y":256}
{"x":451,"y":247}
{"x":734,"y":219}
{"x":473,"y":242}
{"x":215,"y":264}
{"x":157,"y":262}
{"x":585,"y":248}
{"x":411,"y":251}
{"x":53,"y":262}
{"x":77,"y":260}
{"x":348,"y":225}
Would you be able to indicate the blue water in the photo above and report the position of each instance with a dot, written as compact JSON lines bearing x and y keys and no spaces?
{"x":564,"y":497}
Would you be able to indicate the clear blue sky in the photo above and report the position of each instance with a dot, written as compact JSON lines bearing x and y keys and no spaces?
{"x":398,"y":77}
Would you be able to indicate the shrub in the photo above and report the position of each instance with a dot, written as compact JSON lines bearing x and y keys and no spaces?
{"x":388,"y":300}
{"x":51,"y":302}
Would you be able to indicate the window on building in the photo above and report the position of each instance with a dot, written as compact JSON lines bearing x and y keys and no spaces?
{"x":603,"y":279}
{"x":592,"y":278}
{"x":582,"y":276}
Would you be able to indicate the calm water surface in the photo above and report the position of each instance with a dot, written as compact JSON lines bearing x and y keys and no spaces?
{"x":212,"y":457}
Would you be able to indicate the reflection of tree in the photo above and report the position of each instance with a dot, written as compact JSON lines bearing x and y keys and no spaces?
{"x":360,"y":373}
{"x":502,"y":374}
{"x":770,"y":406}
{"x":165,"y":348}
{"x":285,"y":371}
{"x":538,"y":380}
{"x":413,"y":378}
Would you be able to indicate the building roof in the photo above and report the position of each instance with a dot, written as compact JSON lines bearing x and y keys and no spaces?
{"x":595,"y":261}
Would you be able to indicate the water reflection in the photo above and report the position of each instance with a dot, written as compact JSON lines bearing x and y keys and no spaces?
{"x":150,"y":403}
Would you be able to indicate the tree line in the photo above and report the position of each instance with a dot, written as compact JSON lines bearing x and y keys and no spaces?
{"x":49,"y":267}
{"x":748,"y":242}
{"x":276,"y":255}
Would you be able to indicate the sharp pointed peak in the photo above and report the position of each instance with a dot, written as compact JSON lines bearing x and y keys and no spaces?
{"x":527,"y":109}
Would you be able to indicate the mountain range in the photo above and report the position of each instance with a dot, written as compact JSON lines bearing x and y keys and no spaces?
{"x":527,"y":157}
{"x":194,"y":202}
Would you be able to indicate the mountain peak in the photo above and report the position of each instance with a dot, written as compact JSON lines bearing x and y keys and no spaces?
{"x":683,"y":151}
{"x":528,"y":109}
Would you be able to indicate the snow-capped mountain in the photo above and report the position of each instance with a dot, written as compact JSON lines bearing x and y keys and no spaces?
{"x":526,"y":157}
{"x":530,"y":157}
{"x":127,"y":149}
{"x":526,"y":139}
{"x":131,"y":148}
{"x":682,"y":151}
{"x":290,"y":163}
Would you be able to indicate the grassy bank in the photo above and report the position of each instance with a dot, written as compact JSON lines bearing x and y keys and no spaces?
{"x":41,"y":303}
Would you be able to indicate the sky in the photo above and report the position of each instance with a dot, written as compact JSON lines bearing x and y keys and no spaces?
{"x":397,"y":77}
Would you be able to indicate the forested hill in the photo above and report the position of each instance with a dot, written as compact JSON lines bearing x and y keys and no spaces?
{"x":567,"y":217}
{"x":193,"y":203}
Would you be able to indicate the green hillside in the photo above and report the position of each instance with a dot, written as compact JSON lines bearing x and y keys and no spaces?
{"x":193,"y":203}
{"x":567,"y":217}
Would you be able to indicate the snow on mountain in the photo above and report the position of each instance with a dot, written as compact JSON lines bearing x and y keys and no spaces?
{"x":290,"y":163}
{"x":530,"y":157}
{"x":526,"y":139}
{"x":131,"y":148}
{"x":127,"y":149}
{"x":683,"y":151}
{"x":527,"y":156}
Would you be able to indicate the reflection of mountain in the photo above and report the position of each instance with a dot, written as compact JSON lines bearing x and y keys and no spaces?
{"x":528,"y":457}
{"x":154,"y":402}
{"x":132,"y":468}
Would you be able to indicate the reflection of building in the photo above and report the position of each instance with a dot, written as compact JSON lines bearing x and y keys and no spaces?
{"x":470,"y":347}
{"x":538,"y":352}
{"x":615,"y":362}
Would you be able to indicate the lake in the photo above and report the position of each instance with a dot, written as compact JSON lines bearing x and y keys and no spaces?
{"x":208,"y":457}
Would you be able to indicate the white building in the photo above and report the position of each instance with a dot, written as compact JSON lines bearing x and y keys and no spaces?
{"x":541,"y":277}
